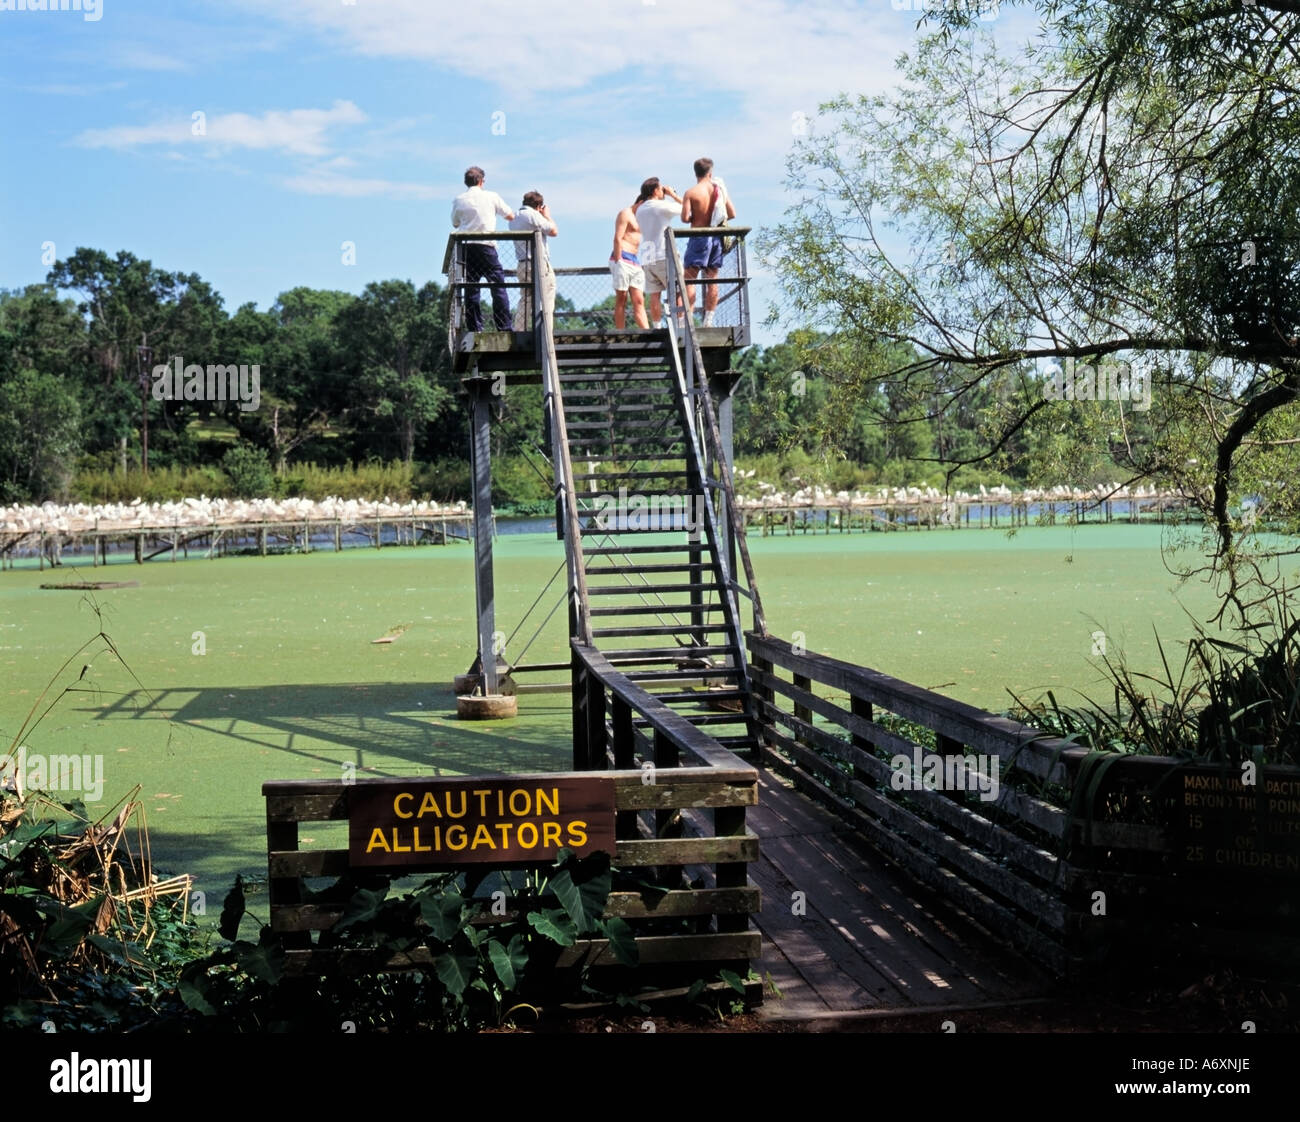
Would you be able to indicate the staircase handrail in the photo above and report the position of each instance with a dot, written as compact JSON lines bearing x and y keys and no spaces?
{"x":712,"y":432}
{"x":561,"y":465}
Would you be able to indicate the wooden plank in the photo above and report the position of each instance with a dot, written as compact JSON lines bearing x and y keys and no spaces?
{"x":1052,"y":820}
{"x":628,"y":905}
{"x":803,"y":942}
{"x":586,"y":952}
{"x":695,"y":902}
{"x":685,"y":851}
{"x":1028,"y":748}
{"x":994,"y":916}
{"x":666,"y":791}
{"x":865,"y":931}
{"x":971,"y":862}
{"x":996,"y":839}
{"x":667,"y":948}
{"x":1043,"y":815}
{"x":908,"y":912}
{"x":307,"y":863}
{"x":308,"y":808}
{"x":740,"y":773}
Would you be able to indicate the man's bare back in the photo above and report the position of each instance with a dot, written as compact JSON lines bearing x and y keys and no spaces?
{"x":697,"y":204}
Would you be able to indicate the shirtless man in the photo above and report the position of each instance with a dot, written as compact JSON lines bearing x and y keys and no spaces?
{"x":625,"y":268}
{"x":701,"y":205}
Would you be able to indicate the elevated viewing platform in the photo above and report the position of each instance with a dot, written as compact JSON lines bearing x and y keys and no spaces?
{"x":584,"y":306}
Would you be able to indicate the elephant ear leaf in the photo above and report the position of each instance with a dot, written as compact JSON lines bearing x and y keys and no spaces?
{"x":503,"y":963}
{"x":582,"y":887}
{"x":622,"y":943}
{"x":554,"y":925}
{"x":444,"y":914}
{"x":362,"y":907}
{"x":455,"y":971}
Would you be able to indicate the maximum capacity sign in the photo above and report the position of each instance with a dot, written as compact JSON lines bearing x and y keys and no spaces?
{"x":440,"y":823}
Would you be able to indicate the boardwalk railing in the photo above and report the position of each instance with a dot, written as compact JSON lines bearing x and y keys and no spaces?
{"x":1072,"y":855}
{"x":680,"y":804}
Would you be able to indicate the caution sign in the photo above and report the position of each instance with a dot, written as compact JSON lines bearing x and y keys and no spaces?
{"x":444,"y":823}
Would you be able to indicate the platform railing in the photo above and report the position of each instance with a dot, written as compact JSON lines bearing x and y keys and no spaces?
{"x":585,"y":294}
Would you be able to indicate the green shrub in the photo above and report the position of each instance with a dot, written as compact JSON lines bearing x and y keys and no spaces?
{"x":249,"y":472}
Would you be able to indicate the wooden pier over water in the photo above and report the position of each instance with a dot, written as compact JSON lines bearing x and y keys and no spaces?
{"x":783,"y":803}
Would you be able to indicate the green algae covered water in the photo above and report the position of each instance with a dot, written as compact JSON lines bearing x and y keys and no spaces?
{"x":255,"y":668}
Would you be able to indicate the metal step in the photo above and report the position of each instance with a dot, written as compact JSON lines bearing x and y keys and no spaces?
{"x":678,"y":567}
{"x":657,"y":589}
{"x":673,"y":547}
{"x":703,"y":695}
{"x":658,"y":610}
{"x":614,"y":410}
{"x":697,"y":719}
{"x":676,"y":675}
{"x":664,"y":654}
{"x":623,"y":531}
{"x":653,"y":449}
{"x":658,"y":494}
{"x":630,"y":375}
{"x":663,"y":391}
{"x":661,"y":629}
{"x":669,"y":474}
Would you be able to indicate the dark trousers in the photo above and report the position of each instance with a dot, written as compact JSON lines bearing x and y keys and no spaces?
{"x":481,"y":262}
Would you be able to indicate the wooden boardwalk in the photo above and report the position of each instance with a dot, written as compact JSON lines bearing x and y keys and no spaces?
{"x":870,"y":941}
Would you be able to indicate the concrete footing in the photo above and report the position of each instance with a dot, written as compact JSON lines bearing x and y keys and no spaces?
{"x":492,"y":707}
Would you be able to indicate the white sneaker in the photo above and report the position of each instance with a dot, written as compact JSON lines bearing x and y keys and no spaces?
{"x":708,"y":320}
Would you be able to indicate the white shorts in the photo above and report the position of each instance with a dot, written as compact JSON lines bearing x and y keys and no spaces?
{"x":656,"y":275}
{"x":626,"y":275}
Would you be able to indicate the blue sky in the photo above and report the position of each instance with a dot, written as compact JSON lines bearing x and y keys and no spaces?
{"x":328,"y":121}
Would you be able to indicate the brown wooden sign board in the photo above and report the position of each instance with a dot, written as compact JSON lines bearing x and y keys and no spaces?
{"x":509,"y":820}
{"x":1222,"y":825}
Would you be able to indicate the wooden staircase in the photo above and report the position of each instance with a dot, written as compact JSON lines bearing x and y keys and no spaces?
{"x":652,"y":544}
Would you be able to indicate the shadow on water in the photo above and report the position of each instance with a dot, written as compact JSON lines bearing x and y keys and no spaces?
{"x":390,"y":728}
{"x":233,"y":738}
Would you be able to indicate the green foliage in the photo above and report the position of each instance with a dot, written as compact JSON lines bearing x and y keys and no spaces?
{"x":1227,"y":702}
{"x":482,"y":967}
{"x":249,"y":472}
{"x":1114,"y":188}
{"x":75,"y":953}
{"x":40,"y":437}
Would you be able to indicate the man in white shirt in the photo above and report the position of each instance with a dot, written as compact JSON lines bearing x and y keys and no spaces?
{"x":656,"y":208}
{"x":533,"y":215}
{"x":475,"y":211}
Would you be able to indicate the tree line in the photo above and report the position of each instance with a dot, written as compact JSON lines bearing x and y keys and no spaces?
{"x":352,"y":380}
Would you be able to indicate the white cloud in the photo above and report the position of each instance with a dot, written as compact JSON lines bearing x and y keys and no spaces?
{"x":299,"y":131}
{"x":323,"y":181}
{"x":779,"y":52}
